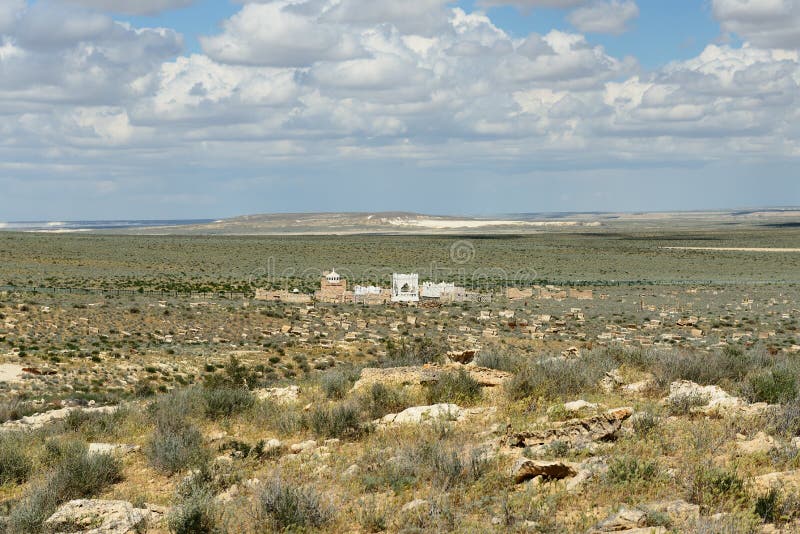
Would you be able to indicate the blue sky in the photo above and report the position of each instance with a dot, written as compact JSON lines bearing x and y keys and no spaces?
{"x":203,"y":108}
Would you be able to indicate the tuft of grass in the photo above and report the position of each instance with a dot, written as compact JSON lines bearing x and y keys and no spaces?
{"x":337,"y":421}
{"x":221,"y":402}
{"x":629,"y":469}
{"x":337,"y":382}
{"x":75,"y":474}
{"x":15,"y":464}
{"x":458,"y":388}
{"x":554,"y":377}
{"x":778,"y":385}
{"x":285,"y":506}
{"x":175,"y":446}
{"x":381,"y":399}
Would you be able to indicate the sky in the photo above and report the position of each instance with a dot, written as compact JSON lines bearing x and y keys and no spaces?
{"x":137,"y":109}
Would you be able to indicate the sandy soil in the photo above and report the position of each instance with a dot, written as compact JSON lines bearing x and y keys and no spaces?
{"x":10,"y":372}
{"x":736,"y":249}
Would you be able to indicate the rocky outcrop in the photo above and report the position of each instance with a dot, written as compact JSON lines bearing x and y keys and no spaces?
{"x":35,"y":422}
{"x":116,"y":449}
{"x":92,"y":516}
{"x":525,"y":469}
{"x":575,"y":431}
{"x":287,"y":394}
{"x":427,"y":374}
{"x":429,"y":414}
{"x":710,"y":400}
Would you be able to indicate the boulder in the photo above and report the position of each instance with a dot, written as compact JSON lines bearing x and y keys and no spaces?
{"x":789,"y":481}
{"x":716,"y":401}
{"x":93,"y":516}
{"x":761,"y":443}
{"x":287,"y":394}
{"x":574,"y":431}
{"x":35,"y":422}
{"x":626,"y":519}
{"x":526,"y":469}
{"x":114,"y":449}
{"x":421,"y":414}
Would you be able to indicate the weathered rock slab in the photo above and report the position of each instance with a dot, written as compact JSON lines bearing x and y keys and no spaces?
{"x":93,"y":516}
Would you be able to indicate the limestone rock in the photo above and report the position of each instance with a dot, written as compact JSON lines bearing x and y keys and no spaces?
{"x":625,"y":519}
{"x":37,"y":421}
{"x":93,"y":516}
{"x":115,"y":449}
{"x":717,"y":401}
{"x":526,"y":469}
{"x":305,"y":446}
{"x":761,"y":443}
{"x":574,"y":431}
{"x":787,"y":480}
{"x":421,"y":414}
{"x":287,"y":394}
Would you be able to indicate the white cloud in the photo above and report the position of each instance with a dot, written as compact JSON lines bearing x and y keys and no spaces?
{"x":766,"y":23}
{"x":604,"y":16}
{"x":133,"y":7}
{"x":304,"y":84}
{"x":279,"y":35}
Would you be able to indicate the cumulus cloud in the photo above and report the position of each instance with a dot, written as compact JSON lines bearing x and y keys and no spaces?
{"x":766,"y":23}
{"x":278,"y":34}
{"x":133,"y":7}
{"x":610,"y":16}
{"x":321,"y":82}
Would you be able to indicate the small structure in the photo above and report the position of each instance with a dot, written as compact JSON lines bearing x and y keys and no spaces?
{"x":370,"y":295}
{"x":405,"y":288}
{"x":333,"y":289}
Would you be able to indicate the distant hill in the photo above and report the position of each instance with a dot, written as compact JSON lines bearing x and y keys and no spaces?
{"x":399,"y":223}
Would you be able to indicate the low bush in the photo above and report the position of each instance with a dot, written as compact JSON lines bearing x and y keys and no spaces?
{"x":629,"y":469}
{"x":710,"y":486}
{"x":225,"y":401}
{"x":15,"y":465}
{"x":683,"y":404}
{"x":75,"y":474}
{"x":175,"y":446}
{"x":194,"y":514}
{"x":458,"y":388}
{"x":336,"y":421}
{"x":555,"y":377}
{"x":502,"y":361}
{"x":284,"y":506}
{"x":774,"y":386}
{"x":15,"y":409}
{"x":336,"y":383}
{"x":381,"y":399}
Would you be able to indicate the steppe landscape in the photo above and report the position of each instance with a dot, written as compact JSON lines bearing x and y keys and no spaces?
{"x":623,"y":376}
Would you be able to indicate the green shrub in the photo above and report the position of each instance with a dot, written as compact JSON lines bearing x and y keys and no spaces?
{"x":225,"y":401}
{"x":555,"y":377}
{"x":683,"y":404}
{"x":785,"y":419}
{"x":381,"y":399}
{"x":628,"y":469}
{"x":416,"y":352}
{"x":285,"y":506}
{"x":175,"y":446}
{"x":15,"y":409}
{"x":458,"y":388}
{"x":775,"y":386}
{"x":336,"y":421}
{"x":15,"y":465}
{"x":502,"y":361}
{"x":336,"y":383}
{"x":194,"y":514}
{"x":711,"y":486}
{"x":75,"y":475}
